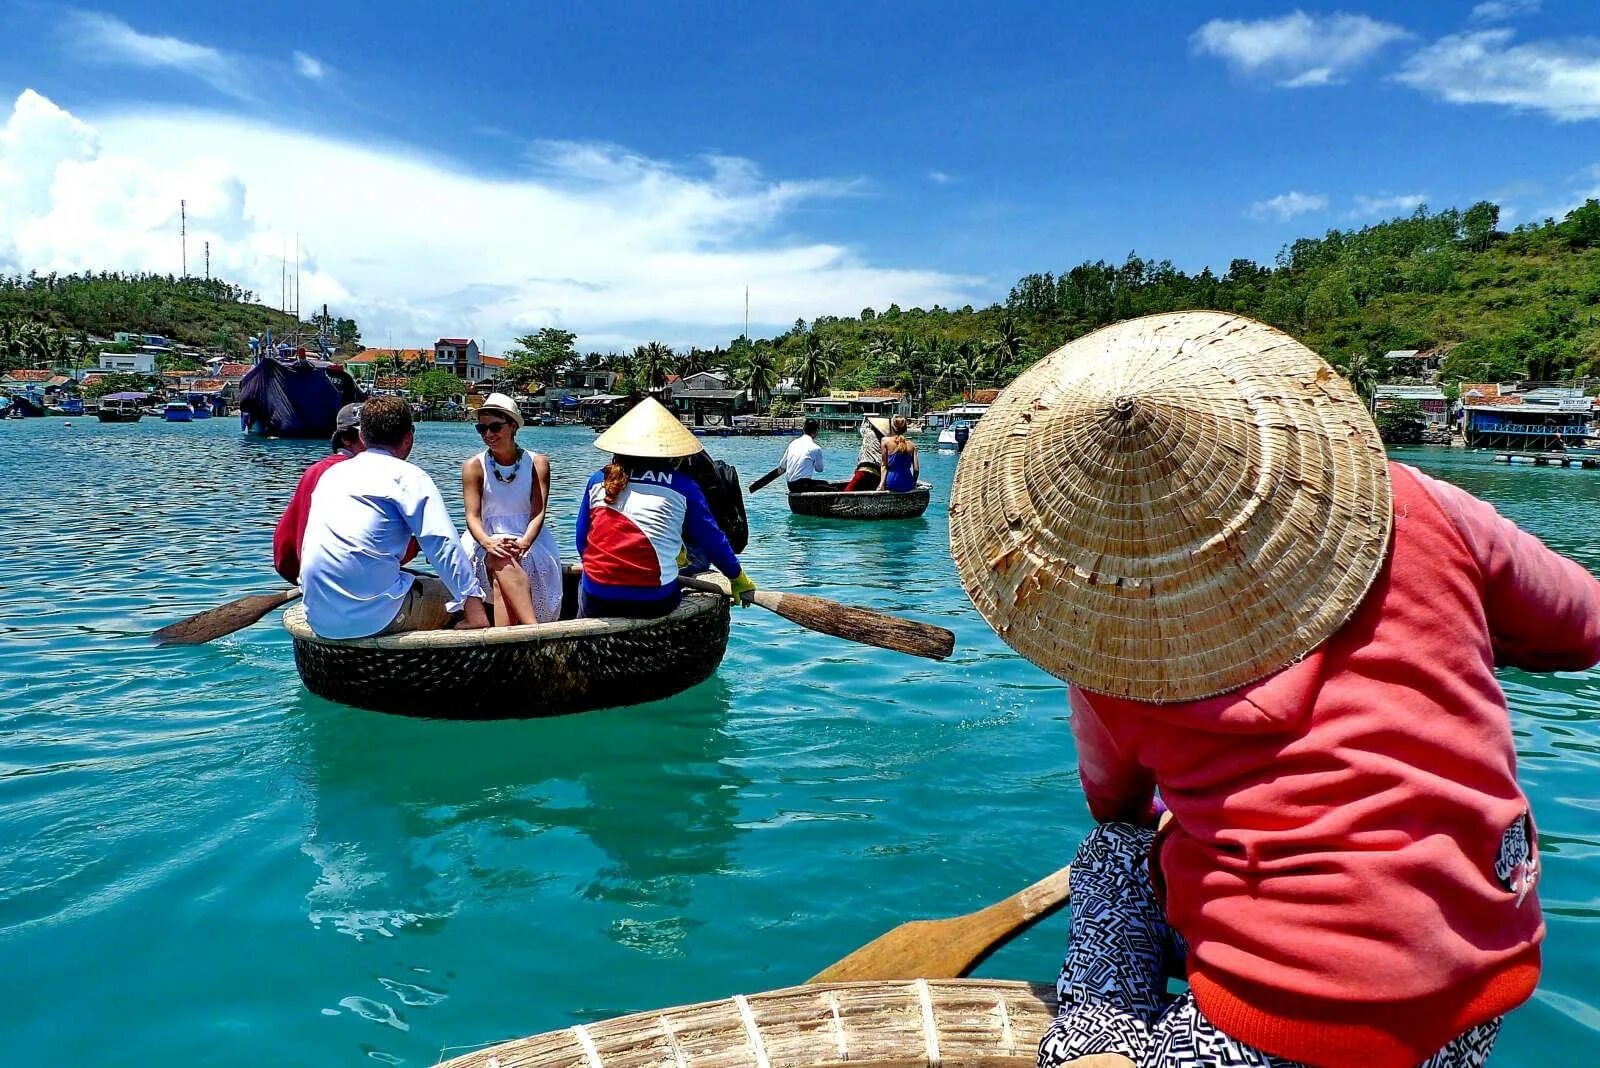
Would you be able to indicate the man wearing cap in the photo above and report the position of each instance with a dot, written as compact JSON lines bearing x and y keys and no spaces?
{"x":364,"y":513}
{"x":639,"y":512}
{"x":291,"y":528}
{"x":1289,"y":644}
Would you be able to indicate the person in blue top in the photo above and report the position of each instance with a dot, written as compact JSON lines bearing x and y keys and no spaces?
{"x":638,"y":514}
{"x":900,"y":467}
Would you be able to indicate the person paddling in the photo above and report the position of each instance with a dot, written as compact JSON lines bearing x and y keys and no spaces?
{"x":869,"y":458}
{"x":638,"y":515}
{"x":1289,"y":643}
{"x":802,"y":463}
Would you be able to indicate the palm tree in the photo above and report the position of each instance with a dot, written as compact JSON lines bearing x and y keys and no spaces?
{"x":1009,"y":342}
{"x":968,"y":365}
{"x":654,"y":362}
{"x":760,"y":375}
{"x":1362,"y":374}
{"x":814,"y":364}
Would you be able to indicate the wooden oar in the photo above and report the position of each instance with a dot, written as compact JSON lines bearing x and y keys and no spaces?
{"x":223,"y":620}
{"x":950,"y":948}
{"x":844,"y":621}
{"x":765,"y":480}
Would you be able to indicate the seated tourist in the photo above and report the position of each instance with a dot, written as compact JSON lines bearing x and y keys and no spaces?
{"x":507,"y":489}
{"x":900,"y":466}
{"x":869,"y":460}
{"x":638,"y":513}
{"x":364,"y":512}
{"x":291,"y":529}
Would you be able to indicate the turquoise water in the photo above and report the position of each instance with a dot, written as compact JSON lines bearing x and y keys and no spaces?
{"x":201,"y":861}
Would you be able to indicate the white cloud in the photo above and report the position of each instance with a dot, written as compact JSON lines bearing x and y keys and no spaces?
{"x":1296,"y":50}
{"x":106,"y":39}
{"x":610,"y":244}
{"x":1561,"y":79}
{"x":309,"y":66}
{"x":1286,"y":206}
{"x":1387,"y":204}
{"x":1501,"y":10}
{"x":940,"y":178}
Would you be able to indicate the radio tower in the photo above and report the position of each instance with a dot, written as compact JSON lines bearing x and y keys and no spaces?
{"x":183,"y":233}
{"x":208,"y":261}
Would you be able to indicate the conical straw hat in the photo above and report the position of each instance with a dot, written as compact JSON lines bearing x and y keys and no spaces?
{"x":1171,"y":507}
{"x":648,"y":429}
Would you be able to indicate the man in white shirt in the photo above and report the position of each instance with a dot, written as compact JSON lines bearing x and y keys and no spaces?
{"x":802,"y":462}
{"x":364,"y":512}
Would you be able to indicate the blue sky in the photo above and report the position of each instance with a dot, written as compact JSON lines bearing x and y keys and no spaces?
{"x":624,"y":169}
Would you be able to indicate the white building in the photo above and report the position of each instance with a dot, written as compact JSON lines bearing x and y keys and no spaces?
{"x":135,"y":363}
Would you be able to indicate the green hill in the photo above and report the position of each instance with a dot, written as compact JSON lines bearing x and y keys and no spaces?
{"x":203,"y":312}
{"x":1519,"y":305}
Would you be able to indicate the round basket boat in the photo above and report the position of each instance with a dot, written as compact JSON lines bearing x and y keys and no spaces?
{"x":868,"y":504}
{"x":860,"y":1025}
{"x":545,"y":669}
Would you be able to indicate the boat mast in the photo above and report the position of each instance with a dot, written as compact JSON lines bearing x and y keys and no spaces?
{"x":183,"y":234}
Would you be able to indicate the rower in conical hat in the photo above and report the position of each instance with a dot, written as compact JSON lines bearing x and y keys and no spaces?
{"x":641,"y":513}
{"x":1288,"y":643}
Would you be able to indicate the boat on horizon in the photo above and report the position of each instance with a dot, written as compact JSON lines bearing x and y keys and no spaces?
{"x":289,"y":393}
{"x":177,"y":412}
{"x":121,"y":408}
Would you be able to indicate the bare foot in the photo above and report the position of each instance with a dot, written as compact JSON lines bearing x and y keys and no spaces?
{"x":1099,"y":1060}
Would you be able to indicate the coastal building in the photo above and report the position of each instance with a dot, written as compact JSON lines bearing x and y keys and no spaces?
{"x":567,"y":388}
{"x":843,"y":409}
{"x":129,"y":363}
{"x":1540,"y":420}
{"x":462,"y":358}
{"x":709,"y":407}
{"x":1435,"y":405}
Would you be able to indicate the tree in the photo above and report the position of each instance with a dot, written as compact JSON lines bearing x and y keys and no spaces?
{"x":1401,"y":422}
{"x":538,"y":356}
{"x":760,"y":375}
{"x":653,"y":362}
{"x":1478,"y":224}
{"x":117,"y":383}
{"x":436,"y":387}
{"x":1582,"y":225}
{"x":347,"y":336}
{"x":812,"y":366}
{"x":1362,"y":374}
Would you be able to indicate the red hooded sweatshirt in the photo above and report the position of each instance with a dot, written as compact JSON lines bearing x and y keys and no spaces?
{"x":1343,"y":858}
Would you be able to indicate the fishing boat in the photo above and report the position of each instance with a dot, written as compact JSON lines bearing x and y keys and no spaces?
{"x":69,"y":406}
{"x":121,"y":407}
{"x":177,"y":412}
{"x":866,"y":504}
{"x":991,"y":1022}
{"x":543,"y":669}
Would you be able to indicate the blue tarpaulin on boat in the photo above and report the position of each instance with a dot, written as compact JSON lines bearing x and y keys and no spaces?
{"x":294,"y":400}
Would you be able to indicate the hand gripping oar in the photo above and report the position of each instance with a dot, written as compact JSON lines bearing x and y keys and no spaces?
{"x":950,"y":948}
{"x":843,"y":621}
{"x":766,"y":479}
{"x":217,"y":622}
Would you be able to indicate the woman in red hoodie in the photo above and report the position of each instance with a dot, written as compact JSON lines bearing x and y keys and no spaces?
{"x":1190,"y":518}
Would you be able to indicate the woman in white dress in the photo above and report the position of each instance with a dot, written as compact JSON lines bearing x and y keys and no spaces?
{"x":507,"y":489}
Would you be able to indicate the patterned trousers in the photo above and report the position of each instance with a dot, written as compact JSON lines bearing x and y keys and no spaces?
{"x":1113,"y":984}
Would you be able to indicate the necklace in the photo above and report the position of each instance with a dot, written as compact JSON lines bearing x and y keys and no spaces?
{"x":494,"y":466}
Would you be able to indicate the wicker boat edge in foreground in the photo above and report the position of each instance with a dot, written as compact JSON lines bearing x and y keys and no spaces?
{"x":548,"y":669}
{"x":918,"y":1022}
{"x":868,"y":504}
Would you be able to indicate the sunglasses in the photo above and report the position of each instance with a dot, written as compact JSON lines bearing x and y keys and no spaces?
{"x":491,"y":428}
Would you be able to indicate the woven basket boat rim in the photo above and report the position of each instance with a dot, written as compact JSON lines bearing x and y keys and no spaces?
{"x":886,"y":1022}
{"x":922,"y":487}
{"x":693,"y":604}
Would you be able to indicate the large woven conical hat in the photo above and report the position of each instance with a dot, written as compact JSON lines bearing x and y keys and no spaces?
{"x":1171,"y":507}
{"x":648,"y":429}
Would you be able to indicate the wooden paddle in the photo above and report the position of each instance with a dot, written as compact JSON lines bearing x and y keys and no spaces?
{"x":765,"y":480}
{"x":844,"y":621}
{"x":950,"y":948}
{"x":223,"y":620}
